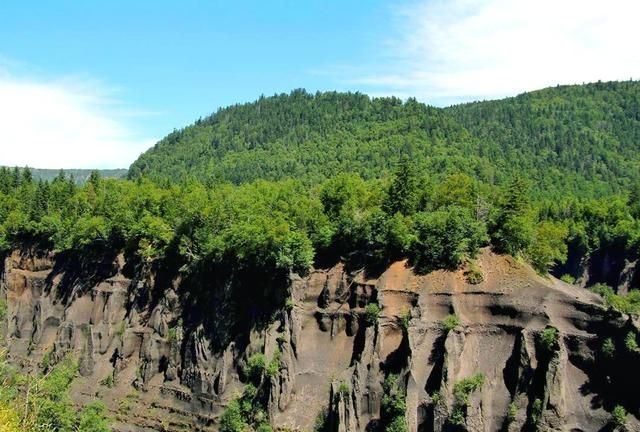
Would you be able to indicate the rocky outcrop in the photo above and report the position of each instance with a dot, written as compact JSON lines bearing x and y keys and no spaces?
{"x":163,"y":359}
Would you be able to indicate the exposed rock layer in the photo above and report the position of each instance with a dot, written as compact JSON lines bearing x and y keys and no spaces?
{"x":163,"y":363}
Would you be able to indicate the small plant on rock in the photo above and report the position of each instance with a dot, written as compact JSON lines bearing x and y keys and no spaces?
{"x":619,"y":415}
{"x":473,"y":274}
{"x":567,"y":278}
{"x":536,"y":411}
{"x":548,"y":339}
{"x":608,"y":349}
{"x":512,"y":412}
{"x":461,"y":392}
{"x":405,"y":319}
{"x":450,"y":323}
{"x":371,"y":314}
{"x":107,"y":381}
{"x":344,"y":389}
{"x":255,"y":367}
{"x":631,"y":343}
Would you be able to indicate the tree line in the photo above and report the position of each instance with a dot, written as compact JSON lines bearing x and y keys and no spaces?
{"x":289,"y":226}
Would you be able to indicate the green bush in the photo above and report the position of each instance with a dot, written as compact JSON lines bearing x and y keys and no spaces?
{"x":446,"y":238}
{"x":405,"y":320}
{"x":463,"y":389}
{"x":371,"y":314}
{"x":231,"y":419}
{"x":394,"y":405}
{"x":473,"y":274}
{"x":631,"y":343}
{"x":548,"y":339}
{"x":321,"y":422}
{"x":512,"y":412}
{"x":107,"y":381}
{"x":567,"y":278}
{"x":93,"y":418}
{"x":608,"y":348}
{"x":398,"y":424}
{"x":619,"y":415}
{"x":3,"y":309}
{"x":255,"y":367}
{"x":536,"y":411}
{"x":629,"y":304}
{"x":343,"y":389}
{"x":275,"y":364}
{"x":450,"y":323}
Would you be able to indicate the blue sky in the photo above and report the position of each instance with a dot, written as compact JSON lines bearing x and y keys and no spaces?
{"x":92,"y":84}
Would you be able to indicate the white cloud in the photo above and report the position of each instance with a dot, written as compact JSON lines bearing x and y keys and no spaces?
{"x":66,"y":123}
{"x":451,"y":50}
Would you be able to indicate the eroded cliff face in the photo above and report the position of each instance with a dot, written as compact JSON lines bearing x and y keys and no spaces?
{"x":163,"y":358}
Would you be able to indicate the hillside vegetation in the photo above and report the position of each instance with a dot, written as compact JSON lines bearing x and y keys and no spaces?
{"x":577,"y":139}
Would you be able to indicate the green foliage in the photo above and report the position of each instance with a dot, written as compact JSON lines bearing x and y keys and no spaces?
{"x":512,"y":229}
{"x":403,"y":194}
{"x":458,"y":415}
{"x":344,"y":389}
{"x":631,"y":343}
{"x":107,"y":381}
{"x":42,"y":402}
{"x":394,"y":405}
{"x":371,"y":314}
{"x":246,"y":412}
{"x":450,"y":322}
{"x":567,"y":278}
{"x":463,"y":389}
{"x":512,"y":412}
{"x":232,"y":419}
{"x":405,"y":319}
{"x":619,"y":415}
{"x":398,"y":424}
{"x":274,"y":365}
{"x":255,"y":367}
{"x":608,"y":348}
{"x":579,"y":140}
{"x":548,"y":245}
{"x":536,"y":411}
{"x":321,"y":423}
{"x":93,"y":418}
{"x":548,"y":339}
{"x":473,"y":274}
{"x":446,"y":238}
{"x":3,"y":309}
{"x":629,"y":304}
{"x":461,"y":392}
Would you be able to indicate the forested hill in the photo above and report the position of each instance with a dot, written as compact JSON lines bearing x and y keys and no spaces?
{"x":577,"y":139}
{"x":310,"y":137}
{"x":586,"y":138}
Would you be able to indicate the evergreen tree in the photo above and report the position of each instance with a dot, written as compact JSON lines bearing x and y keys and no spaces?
{"x":403,"y":194}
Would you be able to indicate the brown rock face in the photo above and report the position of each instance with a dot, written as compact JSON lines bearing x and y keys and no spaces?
{"x":165,"y":355}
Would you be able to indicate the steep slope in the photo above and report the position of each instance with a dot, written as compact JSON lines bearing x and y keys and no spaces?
{"x":582,"y":139}
{"x":165,"y":357}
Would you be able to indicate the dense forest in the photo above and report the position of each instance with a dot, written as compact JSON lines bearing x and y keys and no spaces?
{"x":287,"y":226}
{"x":577,"y":139}
{"x":79,"y":176}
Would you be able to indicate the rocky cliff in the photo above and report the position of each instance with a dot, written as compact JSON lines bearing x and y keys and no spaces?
{"x":168,"y":351}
